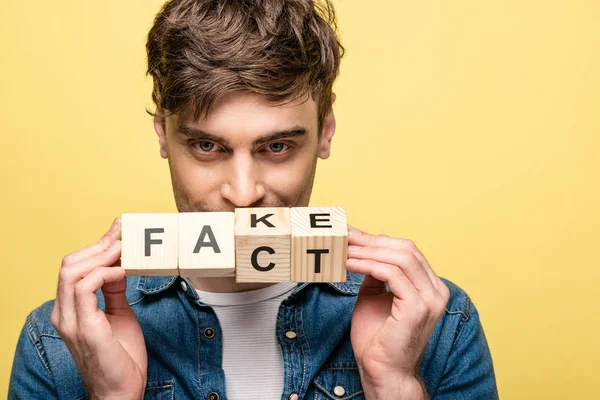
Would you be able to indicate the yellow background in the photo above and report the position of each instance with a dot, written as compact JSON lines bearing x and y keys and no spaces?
{"x":470,"y":127}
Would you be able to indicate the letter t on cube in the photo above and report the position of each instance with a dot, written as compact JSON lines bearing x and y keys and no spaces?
{"x":319,"y":244}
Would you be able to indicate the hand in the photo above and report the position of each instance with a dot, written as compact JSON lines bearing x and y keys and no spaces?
{"x":108,"y":347}
{"x":391,"y":329}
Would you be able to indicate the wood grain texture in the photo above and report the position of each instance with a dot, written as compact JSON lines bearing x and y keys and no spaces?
{"x":280,"y":219}
{"x":206,"y":244}
{"x":319,"y":229}
{"x":150,"y":252}
{"x":249,"y":239}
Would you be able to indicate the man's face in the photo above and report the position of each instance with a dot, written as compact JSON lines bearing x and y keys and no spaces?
{"x":245,"y":153}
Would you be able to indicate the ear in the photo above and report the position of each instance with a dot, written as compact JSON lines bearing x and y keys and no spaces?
{"x":327,"y":132}
{"x":160,"y":126}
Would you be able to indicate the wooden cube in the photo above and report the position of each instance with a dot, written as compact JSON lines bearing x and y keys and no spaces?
{"x":149,"y":244}
{"x":206,"y":244}
{"x":262,"y":244}
{"x":319,"y":244}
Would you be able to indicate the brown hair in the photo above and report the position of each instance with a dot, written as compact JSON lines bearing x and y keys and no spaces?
{"x":199,"y":50}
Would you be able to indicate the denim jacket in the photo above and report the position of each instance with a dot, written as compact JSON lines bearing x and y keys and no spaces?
{"x":185,"y":355}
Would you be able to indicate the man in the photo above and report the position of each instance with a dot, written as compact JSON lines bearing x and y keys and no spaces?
{"x":244,"y":99}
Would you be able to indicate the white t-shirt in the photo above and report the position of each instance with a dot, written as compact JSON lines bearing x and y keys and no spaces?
{"x":252,"y":358}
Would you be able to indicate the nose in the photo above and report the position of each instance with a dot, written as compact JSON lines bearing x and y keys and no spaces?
{"x":243,"y":187}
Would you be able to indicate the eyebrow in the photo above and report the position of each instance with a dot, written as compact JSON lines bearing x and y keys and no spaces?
{"x":202,"y":135}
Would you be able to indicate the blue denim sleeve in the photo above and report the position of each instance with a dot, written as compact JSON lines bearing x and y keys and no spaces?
{"x":30,"y":377}
{"x":469,"y":372}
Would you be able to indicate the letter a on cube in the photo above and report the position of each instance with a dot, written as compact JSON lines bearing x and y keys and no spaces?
{"x":262,"y":244}
{"x":206,"y":245}
{"x":319,"y":244}
{"x":149,"y":243}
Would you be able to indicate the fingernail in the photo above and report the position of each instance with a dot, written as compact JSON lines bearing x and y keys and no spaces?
{"x":114,"y":245}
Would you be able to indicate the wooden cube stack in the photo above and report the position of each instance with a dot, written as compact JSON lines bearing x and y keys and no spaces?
{"x":298,"y":244}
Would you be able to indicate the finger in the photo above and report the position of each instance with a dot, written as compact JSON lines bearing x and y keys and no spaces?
{"x":114,"y":233}
{"x":69,"y":276}
{"x":403,"y":259}
{"x":115,"y":300}
{"x":398,"y":283}
{"x":372,"y":286}
{"x":360,"y":238}
{"x":89,"y":316}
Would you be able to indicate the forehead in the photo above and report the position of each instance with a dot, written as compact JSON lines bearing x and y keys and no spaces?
{"x":251,"y":113}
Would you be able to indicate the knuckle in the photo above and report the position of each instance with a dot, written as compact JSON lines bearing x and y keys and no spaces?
{"x":67,"y":259}
{"x":79,"y":289}
{"x":66,"y":333}
{"x":409,"y":243}
{"x":395,"y":272}
{"x":442,"y":307}
{"x":54,"y":318}
{"x":438,"y":307}
{"x":442,"y":289}
{"x":420,"y":307}
{"x":445,"y":292}
{"x":408,"y":257}
{"x":65,"y":275}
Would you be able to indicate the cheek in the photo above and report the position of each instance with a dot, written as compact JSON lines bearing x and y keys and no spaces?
{"x":193,"y":180}
{"x":286,"y":180}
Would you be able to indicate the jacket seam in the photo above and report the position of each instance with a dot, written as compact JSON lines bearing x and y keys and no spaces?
{"x":302,"y":349}
{"x":138,"y":300}
{"x":50,"y":335}
{"x":157,"y":289}
{"x":328,"y":394}
{"x":466,"y":314}
{"x":34,"y":337}
{"x":199,"y":343}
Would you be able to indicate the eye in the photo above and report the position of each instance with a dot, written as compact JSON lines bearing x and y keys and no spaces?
{"x":204,"y":146}
{"x":277,"y":147}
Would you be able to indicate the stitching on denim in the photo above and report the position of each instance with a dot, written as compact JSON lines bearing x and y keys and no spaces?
{"x":457,"y":312}
{"x":159,"y":288}
{"x":336,"y":397}
{"x":50,"y":335}
{"x":160,"y":387}
{"x":36,"y":342}
{"x":140,"y":285}
{"x":170,"y":383}
{"x":463,"y":322}
{"x":342,"y":289}
{"x":304,"y":356}
{"x":298,"y":289}
{"x":199,"y":349}
{"x":288,"y":347}
{"x":31,"y":331}
{"x":137,"y":301}
{"x":285,"y":351}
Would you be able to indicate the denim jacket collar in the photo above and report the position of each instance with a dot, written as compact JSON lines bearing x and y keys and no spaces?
{"x":156,"y":284}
